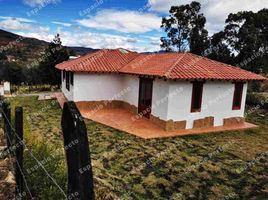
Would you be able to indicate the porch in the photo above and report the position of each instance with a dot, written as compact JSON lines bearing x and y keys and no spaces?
{"x":126,"y":121}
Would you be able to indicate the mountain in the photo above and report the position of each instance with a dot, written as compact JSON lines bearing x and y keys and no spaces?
{"x":25,"y":50}
{"x":82,"y":50}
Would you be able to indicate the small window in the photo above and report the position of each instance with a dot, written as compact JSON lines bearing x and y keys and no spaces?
{"x":72,"y":78}
{"x":197,"y":94}
{"x":67,"y":81}
{"x":238,"y":93}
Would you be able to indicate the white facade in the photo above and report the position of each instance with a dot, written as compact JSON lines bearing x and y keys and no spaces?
{"x":100,"y":87}
{"x":217,"y":102}
{"x":1,"y":90}
{"x":5,"y":88}
{"x":171,"y":100}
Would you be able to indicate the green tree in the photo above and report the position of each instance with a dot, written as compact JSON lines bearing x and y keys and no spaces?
{"x":247,"y":33}
{"x":54,"y":54}
{"x":219,"y":50}
{"x":3,"y":56}
{"x":185,"y":29}
{"x":11,"y":72}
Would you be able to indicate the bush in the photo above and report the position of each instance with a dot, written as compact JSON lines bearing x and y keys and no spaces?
{"x":255,"y":99}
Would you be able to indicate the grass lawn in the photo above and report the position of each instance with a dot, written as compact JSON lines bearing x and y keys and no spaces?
{"x":229,"y":165}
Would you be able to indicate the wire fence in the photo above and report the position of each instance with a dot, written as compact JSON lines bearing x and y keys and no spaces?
{"x":80,"y":185}
{"x":17,"y":147}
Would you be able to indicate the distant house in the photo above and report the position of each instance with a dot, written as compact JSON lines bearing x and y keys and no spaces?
{"x":174,"y":90}
{"x":4,"y":88}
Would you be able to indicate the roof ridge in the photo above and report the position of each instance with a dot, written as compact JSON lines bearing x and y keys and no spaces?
{"x":173,"y":66}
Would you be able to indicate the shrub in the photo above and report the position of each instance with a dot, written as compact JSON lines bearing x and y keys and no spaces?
{"x":257,"y":100}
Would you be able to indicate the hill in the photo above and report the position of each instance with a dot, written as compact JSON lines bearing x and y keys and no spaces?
{"x":23,"y":50}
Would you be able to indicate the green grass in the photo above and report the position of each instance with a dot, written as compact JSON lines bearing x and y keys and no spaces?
{"x":212,"y":166}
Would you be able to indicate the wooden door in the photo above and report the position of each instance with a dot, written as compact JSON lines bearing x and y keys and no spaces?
{"x":145,"y":97}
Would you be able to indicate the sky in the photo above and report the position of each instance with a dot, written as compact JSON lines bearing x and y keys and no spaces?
{"x":130,"y":24}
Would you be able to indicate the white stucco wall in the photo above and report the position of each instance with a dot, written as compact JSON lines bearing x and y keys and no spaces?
{"x":1,"y":90}
{"x":98,"y":87}
{"x":7,"y":87}
{"x":160,"y":99}
{"x":69,"y":94}
{"x":133,"y":83}
{"x":217,"y":101}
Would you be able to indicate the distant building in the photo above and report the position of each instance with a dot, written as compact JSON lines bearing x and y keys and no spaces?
{"x":4,"y":88}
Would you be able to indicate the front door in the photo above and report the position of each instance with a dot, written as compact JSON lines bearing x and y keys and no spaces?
{"x":145,"y":97}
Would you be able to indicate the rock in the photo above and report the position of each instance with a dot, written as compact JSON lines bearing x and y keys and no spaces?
{"x":3,"y":163}
{"x":10,"y":178}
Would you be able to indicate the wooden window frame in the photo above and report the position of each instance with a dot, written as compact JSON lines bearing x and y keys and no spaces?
{"x":240,"y":86}
{"x":63,"y":75}
{"x":68,"y":81}
{"x":195,"y":83}
{"x":72,"y":78}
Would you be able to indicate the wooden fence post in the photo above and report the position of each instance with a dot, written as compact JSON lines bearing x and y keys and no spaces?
{"x":80,"y":175}
{"x":7,"y":121}
{"x":19,"y":151}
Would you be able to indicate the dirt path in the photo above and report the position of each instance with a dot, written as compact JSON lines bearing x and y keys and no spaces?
{"x":7,"y":183}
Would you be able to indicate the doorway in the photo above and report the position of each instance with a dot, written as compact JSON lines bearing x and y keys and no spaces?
{"x":145,"y":97}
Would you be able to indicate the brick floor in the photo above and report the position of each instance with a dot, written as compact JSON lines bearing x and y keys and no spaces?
{"x":123,"y":120}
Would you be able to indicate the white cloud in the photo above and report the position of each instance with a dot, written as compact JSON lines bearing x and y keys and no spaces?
{"x":62,"y":23}
{"x":92,"y":40}
{"x":19,"y":19}
{"x":123,"y":21}
{"x":37,"y":35}
{"x":14,"y":24}
{"x":216,"y":11}
{"x":22,"y":25}
{"x":164,"y":5}
{"x":34,"y":3}
{"x":38,"y":32}
{"x":102,"y":40}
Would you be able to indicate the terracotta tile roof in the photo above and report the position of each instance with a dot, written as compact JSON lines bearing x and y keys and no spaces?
{"x":168,"y":65}
{"x":105,"y":60}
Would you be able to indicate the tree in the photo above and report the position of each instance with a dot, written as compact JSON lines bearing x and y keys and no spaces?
{"x":11,"y":72}
{"x":185,"y":29}
{"x":247,"y":33}
{"x":3,"y":56}
{"x":54,"y":54}
{"x":219,"y":50}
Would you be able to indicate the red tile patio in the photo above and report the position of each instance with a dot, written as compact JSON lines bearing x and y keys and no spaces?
{"x":123,"y":120}
{"x":60,"y":98}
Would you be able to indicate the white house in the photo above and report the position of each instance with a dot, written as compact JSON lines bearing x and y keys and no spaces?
{"x":4,"y":88}
{"x":174,"y":90}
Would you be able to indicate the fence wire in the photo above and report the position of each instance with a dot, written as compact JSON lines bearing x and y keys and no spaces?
{"x":32,"y":155}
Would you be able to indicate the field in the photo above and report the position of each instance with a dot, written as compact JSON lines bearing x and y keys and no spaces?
{"x":229,"y":165}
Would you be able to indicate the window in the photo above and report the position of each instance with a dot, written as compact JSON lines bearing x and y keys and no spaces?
{"x":238,"y":93}
{"x":197,"y":96}
{"x":68,"y":81}
{"x":64,"y":75}
{"x":72,"y":78}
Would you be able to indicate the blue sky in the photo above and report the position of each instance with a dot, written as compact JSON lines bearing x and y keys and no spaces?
{"x":131,"y":24}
